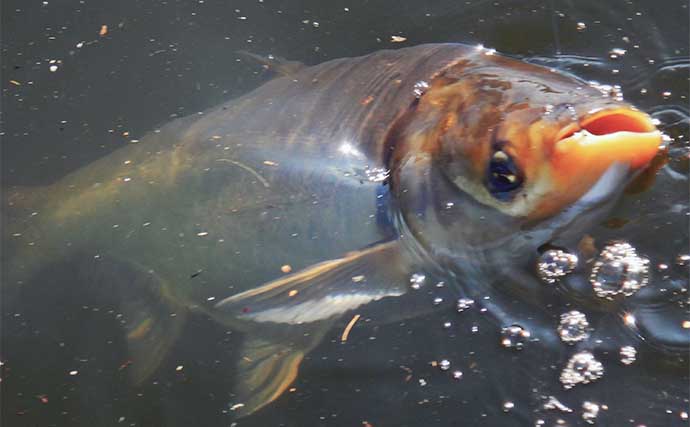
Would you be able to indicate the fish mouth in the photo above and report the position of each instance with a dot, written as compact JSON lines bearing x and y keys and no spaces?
{"x":604,"y":137}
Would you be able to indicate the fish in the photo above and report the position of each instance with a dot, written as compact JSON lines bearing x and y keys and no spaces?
{"x":356,"y":173}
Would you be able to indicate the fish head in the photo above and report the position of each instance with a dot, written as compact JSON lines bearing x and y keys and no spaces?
{"x":507,"y":164}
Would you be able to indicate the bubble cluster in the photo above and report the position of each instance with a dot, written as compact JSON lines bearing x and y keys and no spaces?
{"x":514,"y":336}
{"x":463,"y":304}
{"x":554,"y":264}
{"x":628,"y":355}
{"x":582,"y":368}
{"x":573,"y":327}
{"x":619,"y":270}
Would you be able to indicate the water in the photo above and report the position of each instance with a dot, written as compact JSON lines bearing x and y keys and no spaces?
{"x":72,"y":96}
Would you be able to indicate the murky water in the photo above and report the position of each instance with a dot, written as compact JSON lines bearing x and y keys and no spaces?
{"x":603,"y":339}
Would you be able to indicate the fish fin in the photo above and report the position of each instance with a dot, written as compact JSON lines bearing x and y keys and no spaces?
{"x":152,"y":319}
{"x":324,"y":290}
{"x":278,"y":65}
{"x":265,"y":371}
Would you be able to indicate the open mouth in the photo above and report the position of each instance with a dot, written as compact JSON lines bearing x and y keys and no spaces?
{"x":617,"y":135}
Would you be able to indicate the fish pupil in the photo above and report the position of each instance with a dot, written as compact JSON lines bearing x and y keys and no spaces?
{"x":504,"y":178}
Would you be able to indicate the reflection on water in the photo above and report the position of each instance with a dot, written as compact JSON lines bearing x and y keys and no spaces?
{"x":602,"y":339}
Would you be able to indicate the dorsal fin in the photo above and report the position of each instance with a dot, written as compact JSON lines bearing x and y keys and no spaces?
{"x":276,"y":64}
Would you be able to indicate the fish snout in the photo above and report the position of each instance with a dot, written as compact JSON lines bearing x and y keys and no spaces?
{"x":587,"y":148}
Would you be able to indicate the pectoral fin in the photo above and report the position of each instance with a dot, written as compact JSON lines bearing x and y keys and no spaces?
{"x":265,"y":371}
{"x":287,"y":317}
{"x":325,"y":290}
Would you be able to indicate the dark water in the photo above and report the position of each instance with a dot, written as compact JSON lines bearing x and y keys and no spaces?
{"x":167,"y":59}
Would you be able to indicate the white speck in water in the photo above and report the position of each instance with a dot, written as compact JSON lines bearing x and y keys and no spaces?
{"x":447,"y":325}
{"x":507,"y":406}
{"x":573,"y":327}
{"x":590,"y":411}
{"x":420,"y":88}
{"x":179,"y":368}
{"x":417,"y":280}
{"x":236,"y":406}
{"x":666,"y":94}
{"x":474,"y":329}
{"x":422,"y":382}
{"x":619,"y":270}
{"x":628,"y":354}
{"x":553,"y":403}
{"x":683,"y":415}
{"x":514,"y":336}
{"x":582,"y":368}
{"x":554,"y":264}
{"x":438,"y":300}
{"x":73,"y":373}
{"x":581,"y":26}
{"x":202,"y":233}
{"x":457,"y":375}
{"x":53,"y":68}
{"x":616,"y":53}
{"x":315,"y":24}
{"x":683,"y":260}
{"x":463,"y":304}
{"x":444,"y":365}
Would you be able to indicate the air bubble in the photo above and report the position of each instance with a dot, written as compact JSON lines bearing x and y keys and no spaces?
{"x":590,"y":411}
{"x":628,"y":355}
{"x":514,"y":336}
{"x":420,"y":88}
{"x":438,"y":301}
{"x":582,"y":368}
{"x":444,"y":365}
{"x":463,"y":304}
{"x":573,"y":327}
{"x":507,"y":406}
{"x":417,"y":280}
{"x":554,"y":264}
{"x":619,"y":270}
{"x":457,"y":375}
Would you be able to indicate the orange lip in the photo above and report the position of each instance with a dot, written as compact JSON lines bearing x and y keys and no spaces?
{"x":606,"y":137}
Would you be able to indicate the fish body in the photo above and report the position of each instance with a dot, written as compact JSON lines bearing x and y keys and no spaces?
{"x":354,"y":172}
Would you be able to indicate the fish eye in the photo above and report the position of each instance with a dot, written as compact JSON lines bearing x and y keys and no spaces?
{"x":503,"y":178}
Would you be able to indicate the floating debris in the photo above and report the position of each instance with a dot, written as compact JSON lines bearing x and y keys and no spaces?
{"x":590,"y":411}
{"x":463,"y":304}
{"x":398,"y":39}
{"x":417,"y":280}
{"x":554,"y":264}
{"x":103,"y":31}
{"x":573,"y":327}
{"x":619,"y":270}
{"x":286,"y":268}
{"x":582,"y":368}
{"x":628,"y":354}
{"x":514,"y":336}
{"x":348,"y":328}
